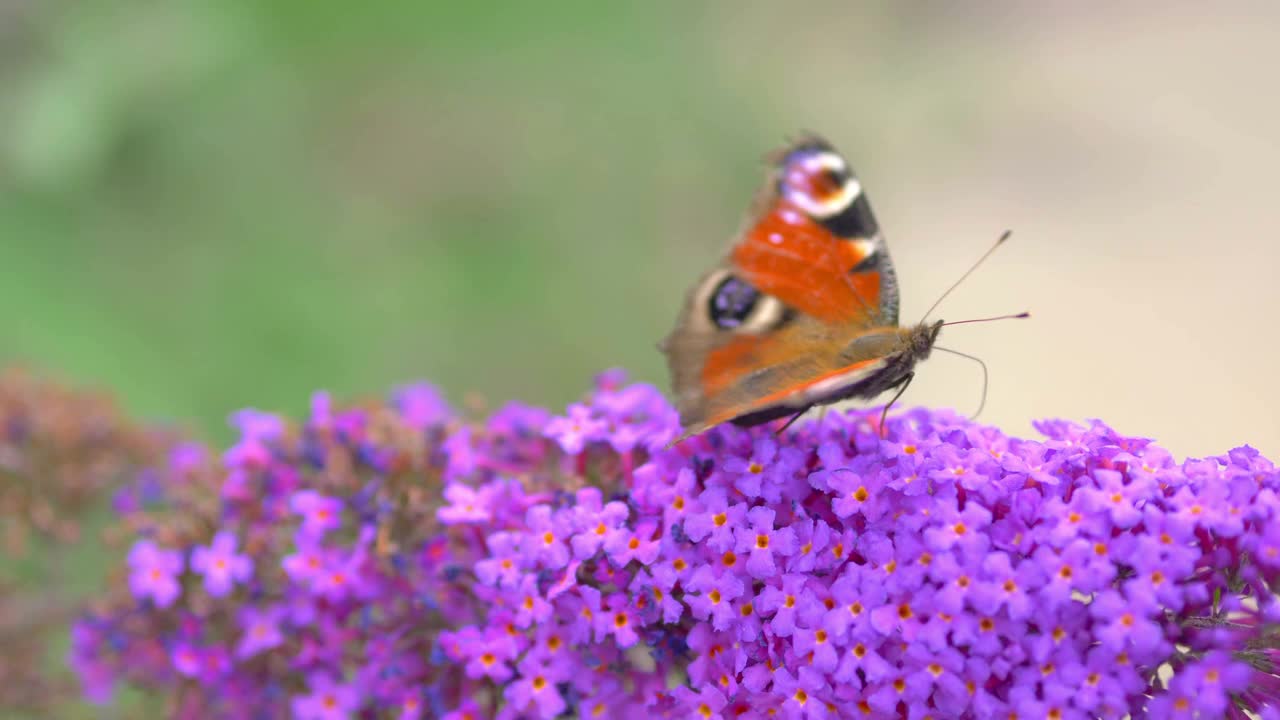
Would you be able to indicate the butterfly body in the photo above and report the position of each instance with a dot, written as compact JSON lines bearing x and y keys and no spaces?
{"x":802,"y":311}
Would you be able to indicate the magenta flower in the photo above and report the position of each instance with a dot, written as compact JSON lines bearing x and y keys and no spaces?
{"x":717,"y":521}
{"x":531,"y":566}
{"x":490,"y":656}
{"x":261,"y":630}
{"x":328,"y":700}
{"x":534,"y":693}
{"x":620,"y":620}
{"x":220,"y":564}
{"x":531,"y":607}
{"x":595,"y":524}
{"x":761,"y":541}
{"x":547,"y":542}
{"x":320,"y":514}
{"x":708,"y":703}
{"x":258,"y":431}
{"x":506,"y":559}
{"x":307,"y":562}
{"x":420,"y":406}
{"x":574,"y":432}
{"x":714,"y":596}
{"x":783,"y":602}
{"x":153,"y":573}
{"x":626,"y":544}
{"x":466,"y":505}
{"x":186,"y":660}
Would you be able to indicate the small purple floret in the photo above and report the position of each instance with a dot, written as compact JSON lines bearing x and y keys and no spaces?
{"x":220,"y":564}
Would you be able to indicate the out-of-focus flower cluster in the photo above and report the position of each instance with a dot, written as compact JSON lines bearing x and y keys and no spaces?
{"x":393,"y":561}
{"x":63,"y":451}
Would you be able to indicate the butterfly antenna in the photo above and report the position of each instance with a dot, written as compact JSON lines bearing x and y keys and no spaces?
{"x":1000,"y":241}
{"x":1016,"y":316}
{"x":982,"y":403}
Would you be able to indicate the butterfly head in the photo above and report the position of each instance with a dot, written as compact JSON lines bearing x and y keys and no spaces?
{"x":920,"y":339}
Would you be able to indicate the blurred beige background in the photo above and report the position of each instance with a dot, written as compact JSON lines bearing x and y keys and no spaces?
{"x":206,"y":207}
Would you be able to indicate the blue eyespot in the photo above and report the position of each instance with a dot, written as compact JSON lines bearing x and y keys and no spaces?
{"x":732,"y":302}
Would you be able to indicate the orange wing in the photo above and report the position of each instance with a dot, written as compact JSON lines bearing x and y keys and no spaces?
{"x":809,"y":268}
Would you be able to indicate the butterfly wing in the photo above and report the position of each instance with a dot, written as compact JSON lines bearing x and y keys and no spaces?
{"x":751,"y":379}
{"x":812,"y":241}
{"x":805,"y":303}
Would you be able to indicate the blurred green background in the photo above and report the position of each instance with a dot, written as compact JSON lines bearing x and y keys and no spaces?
{"x":205,"y":206}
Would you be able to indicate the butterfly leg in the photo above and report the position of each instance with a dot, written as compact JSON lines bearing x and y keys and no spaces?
{"x":902,"y":386}
{"x":794,"y":418}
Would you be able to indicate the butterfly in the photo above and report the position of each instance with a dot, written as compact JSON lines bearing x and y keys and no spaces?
{"x":803,"y":311}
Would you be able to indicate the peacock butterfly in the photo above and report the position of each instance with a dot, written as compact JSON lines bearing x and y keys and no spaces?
{"x":803,"y":310}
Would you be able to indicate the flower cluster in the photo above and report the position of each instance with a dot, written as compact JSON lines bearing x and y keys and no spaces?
{"x":63,"y":451}
{"x":393,"y":561}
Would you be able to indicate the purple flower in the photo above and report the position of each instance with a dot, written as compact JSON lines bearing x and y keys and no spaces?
{"x":595,"y":524}
{"x":306,"y":564}
{"x":490,"y":656}
{"x":784,"y":603}
{"x":750,"y":474}
{"x":1116,"y":497}
{"x":153,"y":573}
{"x":531,"y":607}
{"x":1123,"y":628}
{"x":714,"y":596}
{"x":717,"y":521}
{"x":854,"y":492}
{"x":1007,"y":588}
{"x":535,"y":690}
{"x":187,"y":660}
{"x":261,"y":630}
{"x":467,"y":710}
{"x":819,"y":644}
{"x":461,"y":451}
{"x":466,"y":505}
{"x":328,"y":700}
{"x":812,"y":538}
{"x":762,"y":541}
{"x":506,"y":559}
{"x":854,"y":595}
{"x":185,"y":458}
{"x":680,"y":498}
{"x":320,"y":514}
{"x":574,"y":432}
{"x":547,"y":540}
{"x":258,"y":431}
{"x":625,"y":544}
{"x":421,"y":406}
{"x":619,"y":620}
{"x":97,"y":677}
{"x":342,"y":578}
{"x":707,"y":703}
{"x":220,"y":564}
